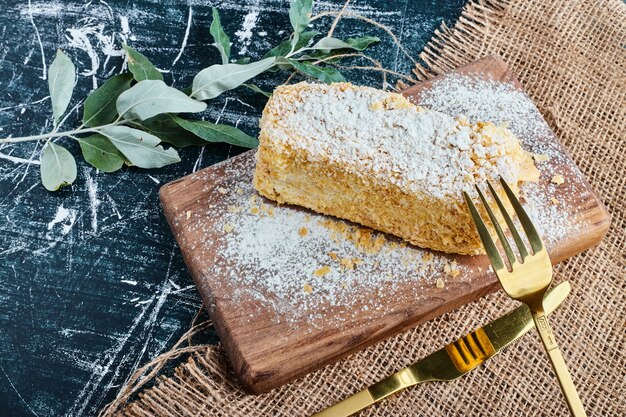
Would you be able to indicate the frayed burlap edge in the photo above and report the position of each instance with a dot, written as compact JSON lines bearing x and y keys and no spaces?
{"x":569,"y":56}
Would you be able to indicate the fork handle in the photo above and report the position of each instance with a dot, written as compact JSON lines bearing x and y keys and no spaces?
{"x":558,"y":364}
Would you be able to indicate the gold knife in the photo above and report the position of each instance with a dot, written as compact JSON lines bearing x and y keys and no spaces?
{"x":454,"y":360}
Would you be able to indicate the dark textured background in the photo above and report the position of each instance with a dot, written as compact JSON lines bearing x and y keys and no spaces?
{"x":92,"y":284}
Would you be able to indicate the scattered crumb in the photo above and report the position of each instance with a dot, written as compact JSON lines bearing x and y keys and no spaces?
{"x":320,"y":272}
{"x":440,"y":283}
{"x":188,"y":214}
{"x":240,"y":191}
{"x":307,"y":288}
{"x":254,"y":210}
{"x":234,"y":209}
{"x":554,"y":200}
{"x":451,"y":269}
{"x":333,"y":256}
{"x":540,"y":157}
{"x":303,"y":231}
{"x":350,"y":263}
{"x":228,"y":228}
{"x":222,"y":190}
{"x":558,"y":179}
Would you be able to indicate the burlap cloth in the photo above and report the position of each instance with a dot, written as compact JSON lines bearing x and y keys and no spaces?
{"x":570,"y":57}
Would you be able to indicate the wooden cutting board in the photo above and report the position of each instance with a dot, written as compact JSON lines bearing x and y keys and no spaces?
{"x":263,"y":270}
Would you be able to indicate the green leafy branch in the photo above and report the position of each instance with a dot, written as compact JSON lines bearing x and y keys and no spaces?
{"x":126,"y":120}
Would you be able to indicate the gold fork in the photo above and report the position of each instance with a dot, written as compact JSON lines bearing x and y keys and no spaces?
{"x":527,"y":280}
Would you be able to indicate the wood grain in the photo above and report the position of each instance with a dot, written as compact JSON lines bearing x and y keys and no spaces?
{"x":266,"y":353}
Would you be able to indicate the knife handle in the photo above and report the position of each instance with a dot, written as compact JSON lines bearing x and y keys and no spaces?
{"x":397,"y":382}
{"x":558,"y":365}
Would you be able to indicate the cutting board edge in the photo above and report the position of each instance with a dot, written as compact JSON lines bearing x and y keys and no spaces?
{"x":254,"y":381}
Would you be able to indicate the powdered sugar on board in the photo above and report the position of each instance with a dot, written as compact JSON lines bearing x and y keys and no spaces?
{"x":301,"y":262}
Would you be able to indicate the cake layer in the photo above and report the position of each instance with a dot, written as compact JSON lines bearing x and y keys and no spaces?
{"x":374,"y":158}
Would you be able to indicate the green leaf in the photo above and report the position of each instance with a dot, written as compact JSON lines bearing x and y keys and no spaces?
{"x":61,"y":78}
{"x":214,"y":80}
{"x":140,"y":148}
{"x":140,"y":66}
{"x":326,"y":44}
{"x":300,"y":14}
{"x":257,"y":90}
{"x":165,"y":128}
{"x":99,"y":108}
{"x":326,"y":74}
{"x":362,"y":43}
{"x":100,"y":152}
{"x":243,"y":60}
{"x":148,"y":98}
{"x":58,"y":167}
{"x":222,"y":41}
{"x":212,"y":132}
{"x":285,"y":47}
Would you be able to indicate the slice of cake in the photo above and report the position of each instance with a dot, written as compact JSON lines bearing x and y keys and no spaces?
{"x":375,"y":158}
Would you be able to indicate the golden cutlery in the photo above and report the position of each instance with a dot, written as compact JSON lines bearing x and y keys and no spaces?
{"x":454,"y":360}
{"x":525,"y":280}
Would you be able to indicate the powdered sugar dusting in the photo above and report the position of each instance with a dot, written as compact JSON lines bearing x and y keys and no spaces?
{"x":304,"y":262}
{"x":380,"y":135}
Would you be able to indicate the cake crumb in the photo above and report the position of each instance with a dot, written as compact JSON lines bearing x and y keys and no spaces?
{"x":333,"y":256}
{"x":452,"y":269}
{"x":222,"y":190}
{"x":554,"y":200}
{"x":307,"y":288}
{"x":440,"y":283}
{"x":558,"y":179}
{"x":320,"y":272}
{"x":233,"y":209}
{"x":228,"y":228}
{"x":188,"y":214}
{"x":538,"y":157}
{"x":350,"y":263}
{"x":303,"y":231}
{"x":240,"y":191}
{"x":254,"y":210}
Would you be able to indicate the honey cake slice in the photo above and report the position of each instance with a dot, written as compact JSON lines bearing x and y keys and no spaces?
{"x":375,"y":158}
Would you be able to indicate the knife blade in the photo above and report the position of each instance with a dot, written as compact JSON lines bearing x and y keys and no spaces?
{"x":454,"y":360}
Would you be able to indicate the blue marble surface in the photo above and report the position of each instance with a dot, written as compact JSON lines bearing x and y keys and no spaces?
{"x":92,"y":284}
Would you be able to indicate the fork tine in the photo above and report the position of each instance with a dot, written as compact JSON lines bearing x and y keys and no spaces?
{"x":527,"y":224}
{"x":516,"y":236}
{"x":505,"y":243}
{"x":490,"y":246}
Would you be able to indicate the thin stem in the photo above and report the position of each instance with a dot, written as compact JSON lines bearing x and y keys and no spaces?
{"x":334,"y":25}
{"x":56,"y":134}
